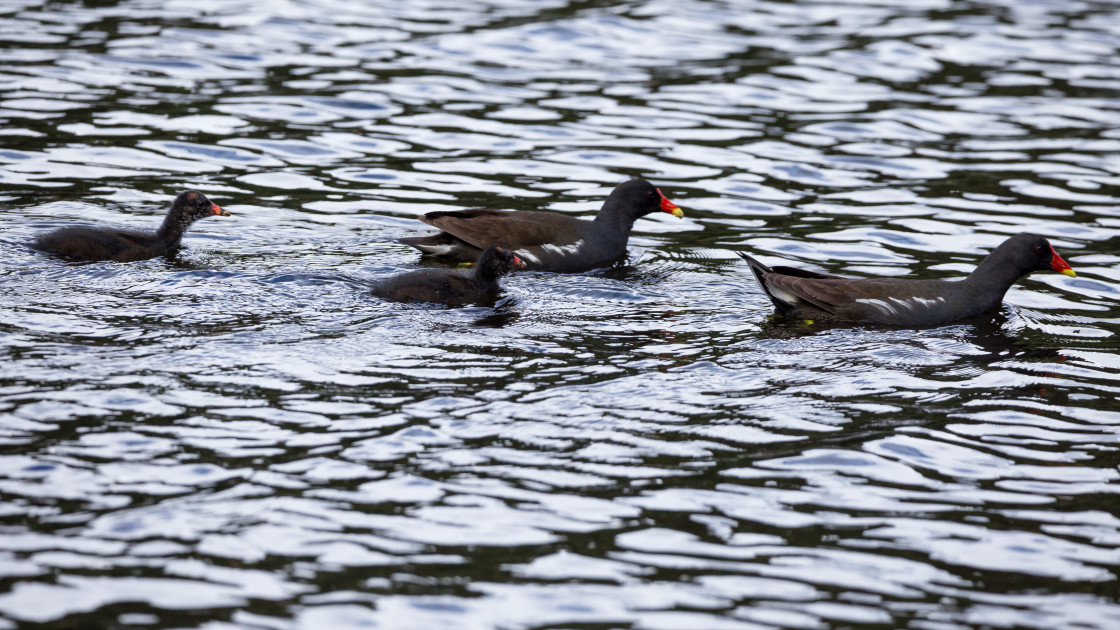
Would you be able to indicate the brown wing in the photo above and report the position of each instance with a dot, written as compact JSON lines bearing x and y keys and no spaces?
{"x":824,"y":292}
{"x":893,"y":301}
{"x":515,"y":230}
{"x":790,"y":288}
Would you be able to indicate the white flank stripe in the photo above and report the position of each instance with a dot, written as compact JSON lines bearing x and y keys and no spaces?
{"x":927,"y":302}
{"x":570,"y":248}
{"x":881,"y":305}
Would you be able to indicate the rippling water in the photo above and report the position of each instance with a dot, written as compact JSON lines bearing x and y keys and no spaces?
{"x":241,"y":437}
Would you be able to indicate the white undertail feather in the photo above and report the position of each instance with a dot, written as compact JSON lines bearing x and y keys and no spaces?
{"x":435,"y":250}
{"x":785,"y":296}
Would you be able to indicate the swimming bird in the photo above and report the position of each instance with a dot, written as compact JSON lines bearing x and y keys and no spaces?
{"x":901,"y":302}
{"x":546,"y":241}
{"x":124,"y":245}
{"x":449,"y":286}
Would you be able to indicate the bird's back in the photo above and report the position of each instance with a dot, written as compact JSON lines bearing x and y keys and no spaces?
{"x":89,"y":243}
{"x":443,"y":286}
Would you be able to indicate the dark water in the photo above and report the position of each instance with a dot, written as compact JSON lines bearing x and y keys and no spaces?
{"x":239,"y":437}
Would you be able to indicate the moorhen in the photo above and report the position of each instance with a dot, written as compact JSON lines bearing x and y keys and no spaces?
{"x":900,"y":302}
{"x":93,"y":243}
{"x":447,"y":286}
{"x":545,"y":240}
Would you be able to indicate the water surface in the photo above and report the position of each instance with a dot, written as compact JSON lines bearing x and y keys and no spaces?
{"x":241,"y":437}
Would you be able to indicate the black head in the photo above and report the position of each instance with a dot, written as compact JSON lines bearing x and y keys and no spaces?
{"x":641,"y":198}
{"x":1030,"y":252}
{"x":187,"y":208}
{"x":194,"y":205}
{"x":496,"y":262}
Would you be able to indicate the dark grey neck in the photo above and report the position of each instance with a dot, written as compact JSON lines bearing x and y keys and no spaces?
{"x":173,"y":228}
{"x":613,"y":215}
{"x":481,"y":273}
{"x":994,"y":276}
{"x":486,"y":273}
{"x":614,"y":224}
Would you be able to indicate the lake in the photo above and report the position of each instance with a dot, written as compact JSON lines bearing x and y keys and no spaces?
{"x":241,"y":436}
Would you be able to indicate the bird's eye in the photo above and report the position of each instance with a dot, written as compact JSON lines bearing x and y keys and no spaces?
{"x":1038,"y":249}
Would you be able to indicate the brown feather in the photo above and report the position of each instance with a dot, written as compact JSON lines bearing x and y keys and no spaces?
{"x":516,"y":230}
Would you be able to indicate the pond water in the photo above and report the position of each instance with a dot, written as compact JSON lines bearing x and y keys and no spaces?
{"x":239,"y":436}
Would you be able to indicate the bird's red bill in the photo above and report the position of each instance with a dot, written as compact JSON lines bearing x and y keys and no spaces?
{"x":1059,"y":265}
{"x":217,"y":210}
{"x":518,"y":263}
{"x":669,"y":206}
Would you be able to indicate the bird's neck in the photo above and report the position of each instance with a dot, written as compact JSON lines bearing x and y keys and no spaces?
{"x":615,"y":218}
{"x":485,"y":273}
{"x":172,"y":229}
{"x":994,"y":276}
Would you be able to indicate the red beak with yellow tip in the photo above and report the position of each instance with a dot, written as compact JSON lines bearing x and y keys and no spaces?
{"x":669,"y":206}
{"x":1059,"y":265}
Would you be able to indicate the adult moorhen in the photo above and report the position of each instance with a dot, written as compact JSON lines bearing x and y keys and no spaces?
{"x":900,"y":302}
{"x":447,"y":286}
{"x":545,"y":240}
{"x":92,"y":243}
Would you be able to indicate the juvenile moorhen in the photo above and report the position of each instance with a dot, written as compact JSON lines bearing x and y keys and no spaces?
{"x":447,"y":286}
{"x":545,"y":240}
{"x":103,"y":243}
{"x":895,"y":301}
